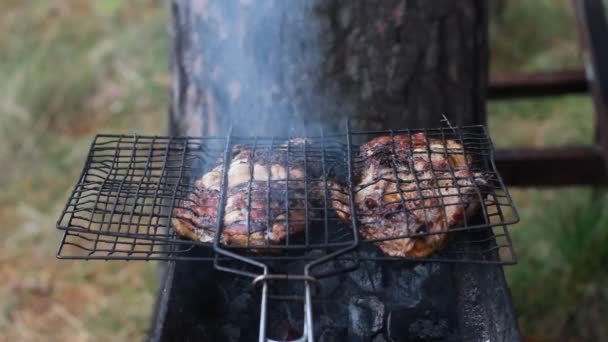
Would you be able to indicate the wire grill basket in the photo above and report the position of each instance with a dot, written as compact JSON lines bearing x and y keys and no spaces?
{"x":275,"y":208}
{"x":133,"y":189}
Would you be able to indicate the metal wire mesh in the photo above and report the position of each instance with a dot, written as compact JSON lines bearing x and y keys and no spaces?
{"x":294,"y":197}
{"x":482,"y":246}
{"x":129,"y":184}
{"x":428,"y":181}
{"x":285,"y":189}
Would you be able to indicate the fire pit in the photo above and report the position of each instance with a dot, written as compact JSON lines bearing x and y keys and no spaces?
{"x":323,"y":282}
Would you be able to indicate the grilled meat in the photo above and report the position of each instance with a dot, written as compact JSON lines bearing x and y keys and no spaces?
{"x":409,"y":186}
{"x":256,"y":180}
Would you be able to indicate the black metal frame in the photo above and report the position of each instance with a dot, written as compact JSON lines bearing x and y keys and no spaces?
{"x":335,"y":233}
{"x":332,"y":249}
{"x":481,"y":245}
{"x":125,"y":198}
{"x":494,"y":199}
{"x":568,"y":165}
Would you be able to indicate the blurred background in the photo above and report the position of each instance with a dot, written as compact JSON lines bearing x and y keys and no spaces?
{"x":71,"y":69}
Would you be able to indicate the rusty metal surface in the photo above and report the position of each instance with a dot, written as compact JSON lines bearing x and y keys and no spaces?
{"x":552,"y":166}
{"x":537,"y":84}
{"x":593,"y":30}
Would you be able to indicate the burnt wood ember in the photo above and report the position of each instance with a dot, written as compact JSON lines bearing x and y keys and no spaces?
{"x":443,"y":302}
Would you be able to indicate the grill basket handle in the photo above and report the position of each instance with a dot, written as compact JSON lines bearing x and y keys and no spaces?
{"x":308,"y":335}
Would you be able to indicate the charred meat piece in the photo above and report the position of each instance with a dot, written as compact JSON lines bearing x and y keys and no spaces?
{"x":410,"y":185}
{"x":259,"y":191}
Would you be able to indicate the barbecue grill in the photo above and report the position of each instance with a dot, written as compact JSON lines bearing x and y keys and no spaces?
{"x":124,"y":200}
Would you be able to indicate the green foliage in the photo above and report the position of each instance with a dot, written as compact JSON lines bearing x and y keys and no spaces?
{"x":551,"y":121}
{"x":562,"y":276}
{"x":533,"y":35}
{"x":560,"y":286}
{"x":107,"y":7}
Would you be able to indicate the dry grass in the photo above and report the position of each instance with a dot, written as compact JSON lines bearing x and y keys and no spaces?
{"x":71,"y":69}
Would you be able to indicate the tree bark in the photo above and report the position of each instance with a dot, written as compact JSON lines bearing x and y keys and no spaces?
{"x":273,"y":66}
{"x":286,"y":67}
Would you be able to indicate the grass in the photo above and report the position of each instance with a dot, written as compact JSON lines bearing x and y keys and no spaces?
{"x":560,"y":285}
{"x":535,"y":35}
{"x":70,"y":69}
{"x":544,"y":122}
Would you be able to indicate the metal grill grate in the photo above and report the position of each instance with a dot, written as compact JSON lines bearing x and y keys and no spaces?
{"x":133,"y":187}
{"x":422,"y":173}
{"x":482,"y":246}
{"x":297,"y":199}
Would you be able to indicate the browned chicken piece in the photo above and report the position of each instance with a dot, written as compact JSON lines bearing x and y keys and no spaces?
{"x":335,"y":194}
{"x":248,"y":187}
{"x":407,"y":186}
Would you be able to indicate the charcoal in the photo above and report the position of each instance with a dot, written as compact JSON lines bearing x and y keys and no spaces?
{"x":242,"y":303}
{"x":413,"y":324}
{"x":199,"y":333}
{"x":330,"y":314}
{"x":379,"y":338}
{"x":407,"y":283}
{"x":379,"y":302}
{"x":368,"y":276}
{"x":328,"y":286}
{"x":366,"y":317}
{"x":230,"y":333}
{"x":333,"y":335}
{"x":323,"y":268}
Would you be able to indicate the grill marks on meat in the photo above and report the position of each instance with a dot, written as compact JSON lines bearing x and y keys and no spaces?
{"x":410,"y":185}
{"x":196,"y":217}
{"x":404,"y":185}
{"x":254,"y":177}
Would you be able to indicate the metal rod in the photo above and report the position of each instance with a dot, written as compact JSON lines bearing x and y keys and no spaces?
{"x":220,"y":219}
{"x":558,"y":166}
{"x":266,"y":277}
{"x":263,"y":313}
{"x":307,"y":334}
{"x":308,"y":323}
{"x":593,"y":30}
{"x":537,"y":84}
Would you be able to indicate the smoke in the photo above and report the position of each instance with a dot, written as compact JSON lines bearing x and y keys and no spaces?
{"x":277,"y":67}
{"x":258,"y":66}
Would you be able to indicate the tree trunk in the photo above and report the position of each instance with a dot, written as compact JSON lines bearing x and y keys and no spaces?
{"x":274,"y":66}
